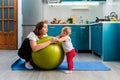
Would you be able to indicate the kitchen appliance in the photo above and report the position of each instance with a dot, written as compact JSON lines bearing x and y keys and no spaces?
{"x":113,"y":15}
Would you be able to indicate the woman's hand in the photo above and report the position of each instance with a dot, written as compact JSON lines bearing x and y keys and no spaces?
{"x":54,"y":39}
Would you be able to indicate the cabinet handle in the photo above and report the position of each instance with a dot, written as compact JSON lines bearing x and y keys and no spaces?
{"x":52,"y":27}
{"x":82,"y":27}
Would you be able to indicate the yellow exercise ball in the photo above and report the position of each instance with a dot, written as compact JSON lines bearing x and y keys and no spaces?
{"x":49,"y":57}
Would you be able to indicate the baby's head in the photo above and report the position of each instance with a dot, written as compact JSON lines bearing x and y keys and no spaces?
{"x":67,"y":30}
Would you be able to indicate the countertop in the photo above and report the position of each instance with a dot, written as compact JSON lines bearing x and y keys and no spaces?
{"x":77,"y":24}
{"x":88,"y":24}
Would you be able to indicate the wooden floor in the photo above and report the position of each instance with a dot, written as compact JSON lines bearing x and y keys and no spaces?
{"x":7,"y":57}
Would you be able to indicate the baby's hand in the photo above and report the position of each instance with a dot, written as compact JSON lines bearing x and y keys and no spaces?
{"x":53,"y":39}
{"x":57,"y":39}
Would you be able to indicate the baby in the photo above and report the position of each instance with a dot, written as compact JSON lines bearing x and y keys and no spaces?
{"x":65,"y":39}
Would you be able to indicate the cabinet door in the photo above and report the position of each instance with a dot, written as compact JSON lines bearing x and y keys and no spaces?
{"x":118,"y":48}
{"x":93,"y":38}
{"x":96,"y":39}
{"x":83,"y":37}
{"x":110,"y":39}
{"x":73,"y":36}
{"x":54,"y":30}
{"x":73,"y":39}
{"x":99,"y":39}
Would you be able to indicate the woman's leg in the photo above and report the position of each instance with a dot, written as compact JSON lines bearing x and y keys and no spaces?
{"x":25,"y":50}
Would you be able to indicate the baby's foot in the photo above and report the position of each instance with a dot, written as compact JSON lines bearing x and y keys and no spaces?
{"x":68,"y":72}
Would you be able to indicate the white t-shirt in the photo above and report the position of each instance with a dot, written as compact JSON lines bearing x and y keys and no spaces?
{"x":67,"y":46}
{"x":33,"y":37}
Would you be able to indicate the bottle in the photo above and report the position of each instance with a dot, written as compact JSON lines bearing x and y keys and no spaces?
{"x":80,"y":20}
{"x":87,"y":22}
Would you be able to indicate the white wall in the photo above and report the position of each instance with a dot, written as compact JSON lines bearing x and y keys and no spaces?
{"x":20,"y":31}
{"x":64,"y":12}
{"x":112,"y":6}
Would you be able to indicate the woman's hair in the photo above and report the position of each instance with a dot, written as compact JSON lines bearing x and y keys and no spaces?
{"x":67,"y":30}
{"x":39,"y":26}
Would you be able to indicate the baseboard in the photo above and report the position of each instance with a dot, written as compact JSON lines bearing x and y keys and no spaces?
{"x":84,"y":51}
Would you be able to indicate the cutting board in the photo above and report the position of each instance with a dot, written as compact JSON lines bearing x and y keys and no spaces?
{"x":74,"y":18}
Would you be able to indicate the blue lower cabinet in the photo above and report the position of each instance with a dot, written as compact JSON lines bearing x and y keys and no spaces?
{"x":93,"y":38}
{"x":73,"y":39}
{"x":96,"y":39}
{"x":54,"y":30}
{"x":83,"y":35}
{"x":105,"y":41}
{"x":118,"y":52}
{"x":111,"y":51}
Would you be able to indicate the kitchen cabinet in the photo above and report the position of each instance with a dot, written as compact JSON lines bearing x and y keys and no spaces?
{"x":118,"y":52}
{"x":96,"y":39}
{"x":83,"y":38}
{"x":54,"y":30}
{"x":105,"y":40}
{"x":111,"y":40}
{"x":79,"y":35}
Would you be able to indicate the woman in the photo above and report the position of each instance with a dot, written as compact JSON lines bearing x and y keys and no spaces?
{"x":30,"y":43}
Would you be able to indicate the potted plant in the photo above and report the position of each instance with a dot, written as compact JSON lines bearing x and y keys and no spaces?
{"x":70,"y":20}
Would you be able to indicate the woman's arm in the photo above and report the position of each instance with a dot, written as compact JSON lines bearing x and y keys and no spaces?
{"x":36,"y":47}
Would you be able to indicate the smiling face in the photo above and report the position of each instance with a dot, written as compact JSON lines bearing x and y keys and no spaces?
{"x":44,"y":29}
{"x":41,"y":29}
